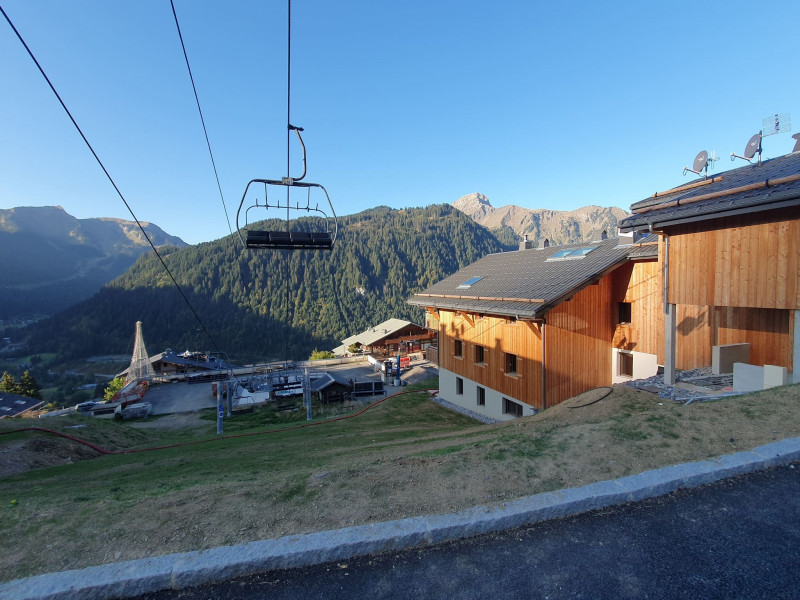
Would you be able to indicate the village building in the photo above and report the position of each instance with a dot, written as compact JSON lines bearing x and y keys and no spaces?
{"x":699,"y":267}
{"x":14,"y":405}
{"x":387,"y":338}
{"x":521,"y":331}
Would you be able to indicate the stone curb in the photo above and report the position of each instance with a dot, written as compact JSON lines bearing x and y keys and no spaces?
{"x":135,"y":577}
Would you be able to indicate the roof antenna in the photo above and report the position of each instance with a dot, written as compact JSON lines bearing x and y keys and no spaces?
{"x":700,"y":164}
{"x":753,"y":146}
{"x":776,"y":124}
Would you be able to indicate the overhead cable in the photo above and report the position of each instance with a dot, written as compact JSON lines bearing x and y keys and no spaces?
{"x":110,"y":179}
{"x":202,"y":120}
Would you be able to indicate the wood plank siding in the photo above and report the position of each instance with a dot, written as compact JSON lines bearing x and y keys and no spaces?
{"x":640,"y":285}
{"x":578,"y":348}
{"x":735,"y":280}
{"x":497,"y":335}
{"x":742,"y":261}
{"x":578,"y":342}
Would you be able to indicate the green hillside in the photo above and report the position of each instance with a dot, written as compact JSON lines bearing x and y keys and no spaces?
{"x":382,"y":256}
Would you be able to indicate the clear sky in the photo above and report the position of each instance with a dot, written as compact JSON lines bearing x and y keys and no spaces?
{"x":406,"y":103}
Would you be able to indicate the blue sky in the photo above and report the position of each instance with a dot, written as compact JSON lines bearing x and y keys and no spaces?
{"x":403,"y":103}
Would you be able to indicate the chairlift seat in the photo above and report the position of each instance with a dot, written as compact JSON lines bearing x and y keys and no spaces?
{"x":289,"y":240}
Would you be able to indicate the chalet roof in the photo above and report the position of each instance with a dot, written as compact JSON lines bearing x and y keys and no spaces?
{"x":526,"y":283}
{"x":751,"y":188}
{"x":326,"y":380}
{"x":377,"y":333}
{"x":12,"y":405}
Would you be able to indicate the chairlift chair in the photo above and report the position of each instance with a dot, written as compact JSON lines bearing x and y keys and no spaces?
{"x":277,"y":204}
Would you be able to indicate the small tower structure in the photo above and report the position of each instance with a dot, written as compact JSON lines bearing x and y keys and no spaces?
{"x":140,"y":369}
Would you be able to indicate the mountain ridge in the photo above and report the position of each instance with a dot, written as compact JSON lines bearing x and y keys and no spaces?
{"x":46,"y":248}
{"x":559,"y":227}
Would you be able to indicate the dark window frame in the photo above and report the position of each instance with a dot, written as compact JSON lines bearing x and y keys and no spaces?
{"x":624,"y":313}
{"x":512,"y":408}
{"x":480,"y":396}
{"x":459,"y":386}
{"x":511,"y":363}
{"x":480,"y":354}
{"x":458,"y":348}
{"x":625,"y":364}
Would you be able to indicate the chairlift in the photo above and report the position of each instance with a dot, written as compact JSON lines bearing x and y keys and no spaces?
{"x":279,"y":203}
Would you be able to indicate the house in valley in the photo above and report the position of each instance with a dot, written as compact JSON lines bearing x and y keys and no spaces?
{"x":521,"y":331}
{"x":387,"y":338}
{"x":710,"y":263}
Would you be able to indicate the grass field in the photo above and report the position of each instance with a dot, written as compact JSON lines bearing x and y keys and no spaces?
{"x":404,"y":457}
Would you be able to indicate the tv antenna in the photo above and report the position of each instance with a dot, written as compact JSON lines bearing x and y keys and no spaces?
{"x":778,"y":123}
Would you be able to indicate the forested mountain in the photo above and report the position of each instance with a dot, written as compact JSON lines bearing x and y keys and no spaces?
{"x":510,"y":223}
{"x":50,"y":260}
{"x":381,"y":257}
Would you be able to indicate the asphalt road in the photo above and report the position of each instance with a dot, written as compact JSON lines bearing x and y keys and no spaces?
{"x":739,"y":538}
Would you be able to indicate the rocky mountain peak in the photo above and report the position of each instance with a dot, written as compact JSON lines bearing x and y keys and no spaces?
{"x":475,"y":205}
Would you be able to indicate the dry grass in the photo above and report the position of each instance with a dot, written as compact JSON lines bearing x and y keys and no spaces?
{"x":405,"y":457}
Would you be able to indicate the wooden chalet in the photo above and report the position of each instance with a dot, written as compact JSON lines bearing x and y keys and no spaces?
{"x":704,"y":265}
{"x":521,"y":331}
{"x":387,"y":338}
{"x":729,"y":262}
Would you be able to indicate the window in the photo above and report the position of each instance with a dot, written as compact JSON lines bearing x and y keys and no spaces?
{"x":459,"y":386}
{"x":571,"y":253}
{"x":479,"y":354}
{"x":481,"y":396}
{"x":469,"y":283}
{"x":511,"y":408}
{"x":511,"y":363}
{"x":625,"y":364}
{"x":623,"y":312}
{"x":458,"y":348}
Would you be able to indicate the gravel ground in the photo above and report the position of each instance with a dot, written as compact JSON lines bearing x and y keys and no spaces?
{"x":675,"y":393}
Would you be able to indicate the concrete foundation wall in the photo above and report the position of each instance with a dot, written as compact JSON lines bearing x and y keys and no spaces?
{"x":644,"y":366}
{"x":752,"y":378}
{"x":723,"y":357}
{"x":469,"y":399}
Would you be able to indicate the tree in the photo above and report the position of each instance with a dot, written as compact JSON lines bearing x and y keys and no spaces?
{"x":321,"y":354}
{"x":28,"y":386}
{"x":354,"y":348}
{"x":113,"y":387}
{"x":7,"y":384}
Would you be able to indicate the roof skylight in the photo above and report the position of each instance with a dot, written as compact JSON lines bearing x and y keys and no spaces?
{"x":469,"y":283}
{"x":572,"y":253}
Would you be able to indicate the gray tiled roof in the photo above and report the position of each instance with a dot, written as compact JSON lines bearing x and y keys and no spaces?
{"x":377,"y":333}
{"x":14,"y":404}
{"x":681,"y":205}
{"x":524,"y":283}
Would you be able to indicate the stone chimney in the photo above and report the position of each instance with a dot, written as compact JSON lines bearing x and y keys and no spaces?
{"x":545,"y":243}
{"x":525,"y":244}
{"x":599,"y":236}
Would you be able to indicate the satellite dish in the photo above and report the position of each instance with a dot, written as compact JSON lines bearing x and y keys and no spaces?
{"x":753,"y":146}
{"x":700,"y":161}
